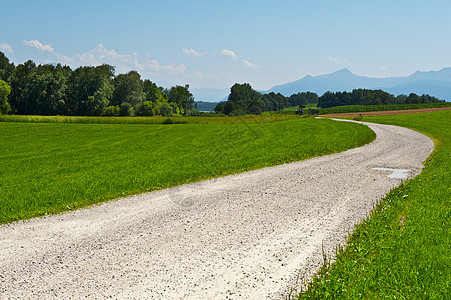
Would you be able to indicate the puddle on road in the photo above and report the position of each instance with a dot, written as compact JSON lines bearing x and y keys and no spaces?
{"x":396,"y":173}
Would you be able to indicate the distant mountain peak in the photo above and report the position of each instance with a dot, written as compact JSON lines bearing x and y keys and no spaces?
{"x":343,"y":71}
{"x":434,"y":83}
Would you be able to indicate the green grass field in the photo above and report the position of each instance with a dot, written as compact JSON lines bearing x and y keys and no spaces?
{"x":403,"y":250}
{"x":51,"y":167}
{"x":366,"y":108}
{"x":144,"y":120}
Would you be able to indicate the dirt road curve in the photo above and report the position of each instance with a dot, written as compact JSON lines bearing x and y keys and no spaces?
{"x":241,"y":236}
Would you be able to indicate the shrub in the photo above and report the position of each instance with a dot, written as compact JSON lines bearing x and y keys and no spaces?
{"x":126,"y":109}
{"x":166,"y":110}
{"x":145,"y":109}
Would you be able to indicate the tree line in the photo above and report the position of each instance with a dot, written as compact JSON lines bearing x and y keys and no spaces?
{"x":30,"y":89}
{"x":371,"y":97}
{"x":243,"y":99}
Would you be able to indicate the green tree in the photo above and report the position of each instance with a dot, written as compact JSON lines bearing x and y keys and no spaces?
{"x":303,"y":98}
{"x":219,"y":108}
{"x":272,"y":102}
{"x":47,"y":88}
{"x":5,"y":90}
{"x":255,"y":107}
{"x":89,"y":90}
{"x":128,"y":88}
{"x":21,"y":98}
{"x":229,"y":107}
{"x":244,"y":99}
{"x":111,"y":111}
{"x":95,"y":104}
{"x":6,"y":68}
{"x":182,"y":97}
{"x":147,"y":108}
{"x":153,"y":92}
{"x":166,"y":109}
{"x":126,"y":109}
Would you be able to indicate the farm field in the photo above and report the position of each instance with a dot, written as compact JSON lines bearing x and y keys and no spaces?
{"x":351,"y":111}
{"x":403,"y":250}
{"x":144,"y":120}
{"x":52,"y":167}
{"x":396,"y":108}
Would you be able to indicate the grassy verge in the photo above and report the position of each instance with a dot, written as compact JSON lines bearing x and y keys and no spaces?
{"x":144,"y":120}
{"x":51,"y":167}
{"x":366,"y":108}
{"x":403,"y":250}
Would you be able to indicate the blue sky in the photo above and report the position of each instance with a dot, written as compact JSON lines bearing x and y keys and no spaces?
{"x":214,"y":44}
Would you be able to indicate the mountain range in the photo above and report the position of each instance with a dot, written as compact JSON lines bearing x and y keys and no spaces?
{"x":434,"y":83}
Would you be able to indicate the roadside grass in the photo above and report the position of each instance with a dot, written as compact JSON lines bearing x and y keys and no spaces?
{"x":367,"y":108}
{"x":208,"y":119}
{"x":403,"y":249}
{"x":47,"y":168}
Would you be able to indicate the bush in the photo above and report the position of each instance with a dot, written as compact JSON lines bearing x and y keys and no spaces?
{"x":111,"y":111}
{"x":219,"y":109}
{"x":166,"y":110}
{"x":126,"y":109}
{"x":194,"y":112}
{"x":145,"y":109}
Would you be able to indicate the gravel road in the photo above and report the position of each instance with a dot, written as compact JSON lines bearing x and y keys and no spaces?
{"x":243,"y":236}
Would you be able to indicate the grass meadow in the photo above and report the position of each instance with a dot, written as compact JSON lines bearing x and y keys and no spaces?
{"x":403,"y":250}
{"x":211,"y":118}
{"x":388,"y":107}
{"x":57,"y":165}
{"x":359,"y":108}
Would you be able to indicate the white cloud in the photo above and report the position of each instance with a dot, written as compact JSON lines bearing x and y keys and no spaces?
{"x":6,"y":48}
{"x":192,"y":52}
{"x":230,"y":53}
{"x":100,"y":55}
{"x":64,"y":59}
{"x":127,"y":62}
{"x":122,"y":62}
{"x":38,"y":45}
{"x":383,"y":68}
{"x":154,"y":65}
{"x":137,"y":64}
{"x":248,"y":64}
{"x":338,"y":61}
{"x":333,"y":59}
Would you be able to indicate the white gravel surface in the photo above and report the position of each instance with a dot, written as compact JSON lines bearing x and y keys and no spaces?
{"x":244,"y":236}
